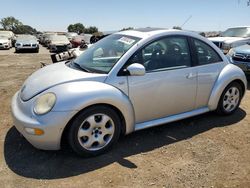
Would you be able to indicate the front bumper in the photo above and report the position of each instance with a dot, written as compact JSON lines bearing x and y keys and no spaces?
{"x":52,"y":124}
{"x":4,"y":46}
{"x":59,"y":48}
{"x":27,"y":48}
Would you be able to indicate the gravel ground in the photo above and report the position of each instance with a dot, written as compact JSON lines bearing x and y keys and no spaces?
{"x":203,"y":151}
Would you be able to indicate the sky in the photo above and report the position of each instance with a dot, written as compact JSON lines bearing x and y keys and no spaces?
{"x":111,"y":15}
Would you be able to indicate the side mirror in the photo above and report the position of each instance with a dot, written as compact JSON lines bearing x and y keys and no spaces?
{"x":136,"y":69}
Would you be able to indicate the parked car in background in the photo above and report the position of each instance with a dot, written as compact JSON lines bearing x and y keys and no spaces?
{"x":59,"y":43}
{"x":231,"y":38}
{"x":26,"y":43}
{"x":10,"y":35}
{"x":70,"y":54}
{"x":39,"y":37}
{"x":77,"y":40}
{"x":126,"y":82}
{"x":86,"y":37}
{"x":240,"y":56}
{"x":94,"y":38}
{"x":5,"y":42}
{"x":45,"y":37}
{"x":70,"y":35}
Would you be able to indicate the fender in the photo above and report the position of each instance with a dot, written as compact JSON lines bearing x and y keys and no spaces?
{"x":76,"y":96}
{"x":229,"y":71}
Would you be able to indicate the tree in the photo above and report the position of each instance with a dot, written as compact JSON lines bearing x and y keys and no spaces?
{"x":77,"y":28}
{"x":127,"y":28}
{"x":25,"y":29}
{"x":177,"y":27}
{"x":91,"y":30}
{"x":10,"y":23}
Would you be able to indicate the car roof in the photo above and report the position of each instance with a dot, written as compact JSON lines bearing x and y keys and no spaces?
{"x":146,"y":32}
{"x":239,"y":27}
{"x":149,"y":29}
{"x":5,"y":31}
{"x":143,"y":32}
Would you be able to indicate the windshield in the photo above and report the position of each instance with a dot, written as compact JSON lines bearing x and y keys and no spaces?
{"x":71,"y":34}
{"x":49,"y":35}
{"x":3,"y":37}
{"x":23,"y":37}
{"x":236,"y":32}
{"x":104,"y":54}
{"x":59,"y":38}
{"x":5,"y":34}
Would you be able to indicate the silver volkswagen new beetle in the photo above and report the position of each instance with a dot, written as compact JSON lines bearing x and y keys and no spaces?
{"x":128,"y":81}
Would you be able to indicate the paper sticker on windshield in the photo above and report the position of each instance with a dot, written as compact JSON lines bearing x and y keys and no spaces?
{"x":126,"y":40}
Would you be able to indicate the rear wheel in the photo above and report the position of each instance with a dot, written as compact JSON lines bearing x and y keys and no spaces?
{"x":230,"y":99}
{"x":94,"y":131}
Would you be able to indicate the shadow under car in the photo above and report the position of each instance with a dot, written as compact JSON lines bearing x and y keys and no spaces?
{"x":23,"y":159}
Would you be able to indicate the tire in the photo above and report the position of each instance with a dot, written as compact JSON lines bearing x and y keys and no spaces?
{"x":16,"y":51}
{"x":94,"y":131}
{"x":37,"y":50}
{"x":230,"y":99}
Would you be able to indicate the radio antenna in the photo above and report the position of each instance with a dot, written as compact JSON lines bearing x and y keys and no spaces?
{"x":186,"y":20}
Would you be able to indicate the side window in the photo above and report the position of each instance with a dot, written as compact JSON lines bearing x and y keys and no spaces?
{"x":205,"y":53}
{"x":163,"y":54}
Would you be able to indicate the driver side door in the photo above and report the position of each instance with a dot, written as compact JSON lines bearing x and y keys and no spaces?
{"x":170,"y":83}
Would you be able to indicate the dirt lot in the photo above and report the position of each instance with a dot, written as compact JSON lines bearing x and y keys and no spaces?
{"x":204,"y":151}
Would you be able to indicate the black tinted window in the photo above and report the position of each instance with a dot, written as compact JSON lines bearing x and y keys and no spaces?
{"x":205,"y":53}
{"x":166,"y":53}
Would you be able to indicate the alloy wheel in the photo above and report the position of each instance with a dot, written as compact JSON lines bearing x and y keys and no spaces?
{"x":231,"y":99}
{"x":96,"y":132}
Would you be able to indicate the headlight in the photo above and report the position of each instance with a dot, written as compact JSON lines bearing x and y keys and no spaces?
{"x":231,"y":52}
{"x":230,"y":55}
{"x":18,"y":44}
{"x":45,"y":103}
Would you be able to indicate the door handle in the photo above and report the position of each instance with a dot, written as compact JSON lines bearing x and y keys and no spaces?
{"x":191,"y":75}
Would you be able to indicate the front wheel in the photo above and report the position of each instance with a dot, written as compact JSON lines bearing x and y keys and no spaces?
{"x":94,"y":131}
{"x":230,"y":99}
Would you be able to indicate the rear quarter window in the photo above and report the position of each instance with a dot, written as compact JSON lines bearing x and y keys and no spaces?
{"x":205,"y":53}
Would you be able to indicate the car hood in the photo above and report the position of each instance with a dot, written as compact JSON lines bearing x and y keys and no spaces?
{"x":245,"y":49}
{"x":26,"y":41}
{"x":59,"y":42}
{"x":53,"y":75}
{"x":225,"y":39}
{"x":2,"y":40}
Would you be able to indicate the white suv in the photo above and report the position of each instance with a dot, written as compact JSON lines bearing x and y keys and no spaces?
{"x":231,"y":38}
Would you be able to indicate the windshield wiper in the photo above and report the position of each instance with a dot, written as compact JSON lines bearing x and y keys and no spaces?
{"x":80,"y":67}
